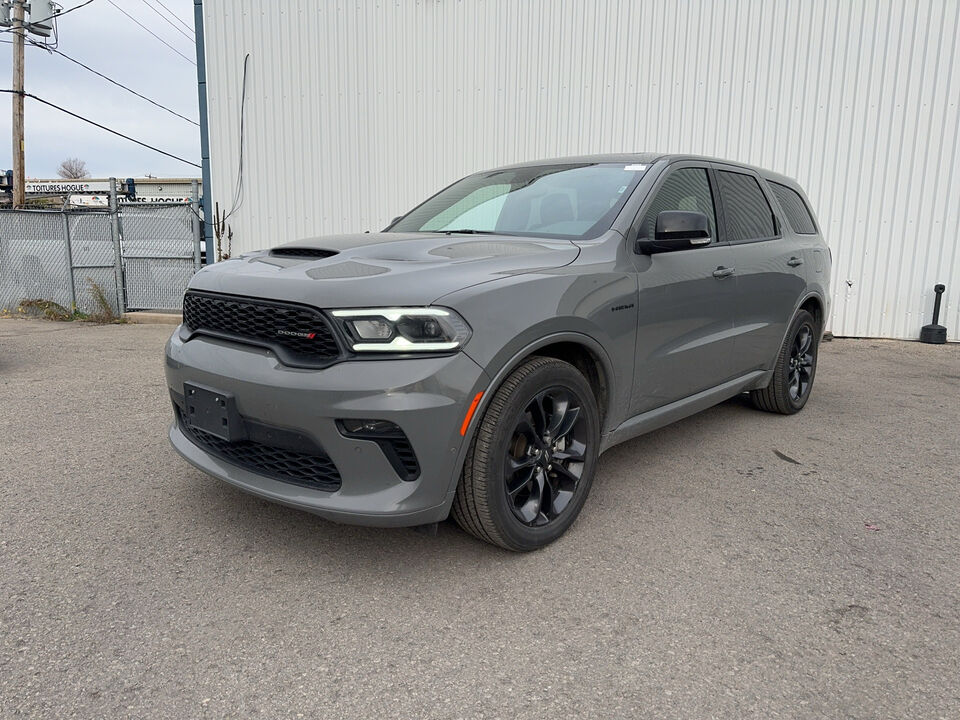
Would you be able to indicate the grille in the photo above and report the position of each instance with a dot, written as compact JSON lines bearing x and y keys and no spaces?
{"x":302,"y":252}
{"x":298,"y":334}
{"x":315,"y":471}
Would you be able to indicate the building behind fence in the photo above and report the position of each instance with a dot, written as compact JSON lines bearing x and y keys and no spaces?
{"x":142,"y":255}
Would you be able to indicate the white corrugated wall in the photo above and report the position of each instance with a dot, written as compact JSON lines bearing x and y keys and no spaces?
{"x":357,"y":111}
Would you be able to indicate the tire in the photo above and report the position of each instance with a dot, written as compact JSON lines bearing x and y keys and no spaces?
{"x":795,"y":369}
{"x":492,"y":501}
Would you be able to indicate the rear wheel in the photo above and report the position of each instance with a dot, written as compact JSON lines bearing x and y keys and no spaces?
{"x":532,"y":459}
{"x":795,"y":369}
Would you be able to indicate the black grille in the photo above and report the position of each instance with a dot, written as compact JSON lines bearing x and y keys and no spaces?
{"x":312,"y":470}
{"x":303,"y":252}
{"x":298,"y":334}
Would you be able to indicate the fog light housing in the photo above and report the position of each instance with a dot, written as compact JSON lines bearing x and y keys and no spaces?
{"x":393,"y":442}
{"x":368,"y":428}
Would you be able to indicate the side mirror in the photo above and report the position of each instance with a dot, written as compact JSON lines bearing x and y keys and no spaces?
{"x":676,"y":230}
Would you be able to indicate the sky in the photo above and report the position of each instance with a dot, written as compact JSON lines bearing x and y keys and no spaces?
{"x":102,"y":37}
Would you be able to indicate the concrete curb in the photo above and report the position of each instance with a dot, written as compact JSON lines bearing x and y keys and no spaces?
{"x":154,"y":318}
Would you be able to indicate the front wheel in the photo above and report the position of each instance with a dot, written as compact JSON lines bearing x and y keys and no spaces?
{"x":795,"y":368}
{"x":532,"y":459}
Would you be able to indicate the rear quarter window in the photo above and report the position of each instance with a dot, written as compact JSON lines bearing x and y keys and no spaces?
{"x":747,"y":214}
{"x":796,"y":210}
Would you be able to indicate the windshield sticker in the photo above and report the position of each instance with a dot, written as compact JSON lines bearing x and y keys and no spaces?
{"x":622,"y":188}
{"x":636,"y":168}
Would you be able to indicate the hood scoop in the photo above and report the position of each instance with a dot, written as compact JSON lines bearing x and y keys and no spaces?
{"x":302,"y":252}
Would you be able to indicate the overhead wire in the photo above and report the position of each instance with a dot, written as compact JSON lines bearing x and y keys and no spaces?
{"x":176,"y":17}
{"x":115,"y":82}
{"x":132,"y":18}
{"x":163,"y":17}
{"x":53,"y":48}
{"x":102,"y":127}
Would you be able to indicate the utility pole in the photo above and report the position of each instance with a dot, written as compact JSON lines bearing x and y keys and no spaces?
{"x":18,"y":41}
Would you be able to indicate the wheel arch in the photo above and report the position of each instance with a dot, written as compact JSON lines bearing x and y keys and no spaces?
{"x":813,"y":304}
{"x":587,"y":362}
{"x":580,"y":350}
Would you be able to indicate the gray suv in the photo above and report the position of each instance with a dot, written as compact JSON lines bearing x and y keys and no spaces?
{"x":478,"y":355}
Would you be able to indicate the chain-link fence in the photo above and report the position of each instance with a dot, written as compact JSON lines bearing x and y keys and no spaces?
{"x":161,"y":250}
{"x":51,"y":255}
{"x":140,"y":256}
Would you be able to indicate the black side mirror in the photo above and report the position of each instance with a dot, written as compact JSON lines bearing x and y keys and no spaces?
{"x":676,"y":230}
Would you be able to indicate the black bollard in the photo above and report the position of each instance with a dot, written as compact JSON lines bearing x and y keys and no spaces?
{"x":934,"y":333}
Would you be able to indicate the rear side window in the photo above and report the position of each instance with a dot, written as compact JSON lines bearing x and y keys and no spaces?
{"x":747,"y":214}
{"x":796,"y":210}
{"x":686,"y":189}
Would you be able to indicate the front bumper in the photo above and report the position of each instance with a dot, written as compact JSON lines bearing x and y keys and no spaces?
{"x":427,"y":397}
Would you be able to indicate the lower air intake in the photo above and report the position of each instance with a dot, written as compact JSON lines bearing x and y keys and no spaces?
{"x":312,"y":470}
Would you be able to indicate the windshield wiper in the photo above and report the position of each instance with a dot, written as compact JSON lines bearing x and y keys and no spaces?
{"x":469,"y":232}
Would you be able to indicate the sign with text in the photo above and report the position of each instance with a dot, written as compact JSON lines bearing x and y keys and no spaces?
{"x":155,"y":199}
{"x":47,"y":187}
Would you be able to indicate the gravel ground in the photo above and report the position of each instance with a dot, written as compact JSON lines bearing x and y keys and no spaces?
{"x":734,"y":564}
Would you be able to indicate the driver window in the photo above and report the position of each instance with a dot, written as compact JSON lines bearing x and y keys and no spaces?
{"x":686,"y":189}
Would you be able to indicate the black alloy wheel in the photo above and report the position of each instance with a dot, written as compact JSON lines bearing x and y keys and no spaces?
{"x":545,"y":457}
{"x":532,"y":457}
{"x":793,"y":370}
{"x":800,"y":376}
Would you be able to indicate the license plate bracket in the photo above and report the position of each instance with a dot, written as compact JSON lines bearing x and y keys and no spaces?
{"x":213,"y":411}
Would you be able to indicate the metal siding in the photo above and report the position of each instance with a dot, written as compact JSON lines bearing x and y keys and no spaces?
{"x":357,"y":111}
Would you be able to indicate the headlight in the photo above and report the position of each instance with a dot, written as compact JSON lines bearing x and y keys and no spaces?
{"x":426,"y":329}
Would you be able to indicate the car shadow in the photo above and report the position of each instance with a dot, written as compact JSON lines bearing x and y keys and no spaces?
{"x":300,"y":538}
{"x":297,"y":537}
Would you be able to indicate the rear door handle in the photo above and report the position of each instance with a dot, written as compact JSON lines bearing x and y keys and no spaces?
{"x":794,"y":261}
{"x":722,"y":272}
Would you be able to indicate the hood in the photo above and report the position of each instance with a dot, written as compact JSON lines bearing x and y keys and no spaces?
{"x":377,"y":269}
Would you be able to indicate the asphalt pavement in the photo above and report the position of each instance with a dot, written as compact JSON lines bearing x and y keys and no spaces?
{"x":735,"y":564}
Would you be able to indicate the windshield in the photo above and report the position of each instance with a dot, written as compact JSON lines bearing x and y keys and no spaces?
{"x":563,"y":201}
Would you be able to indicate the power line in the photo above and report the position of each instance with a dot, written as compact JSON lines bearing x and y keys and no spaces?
{"x":118,"y":84}
{"x":52,"y":17}
{"x":167,"y":21}
{"x":103,"y":127}
{"x":176,"y":17}
{"x":151,"y":32}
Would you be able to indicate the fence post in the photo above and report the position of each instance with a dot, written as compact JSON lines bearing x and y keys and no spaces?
{"x":195,"y":206}
{"x":115,"y":232}
{"x":69,"y":250}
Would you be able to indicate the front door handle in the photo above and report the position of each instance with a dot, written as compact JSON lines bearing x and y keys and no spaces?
{"x":794,"y":261}
{"x":722,"y":272}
